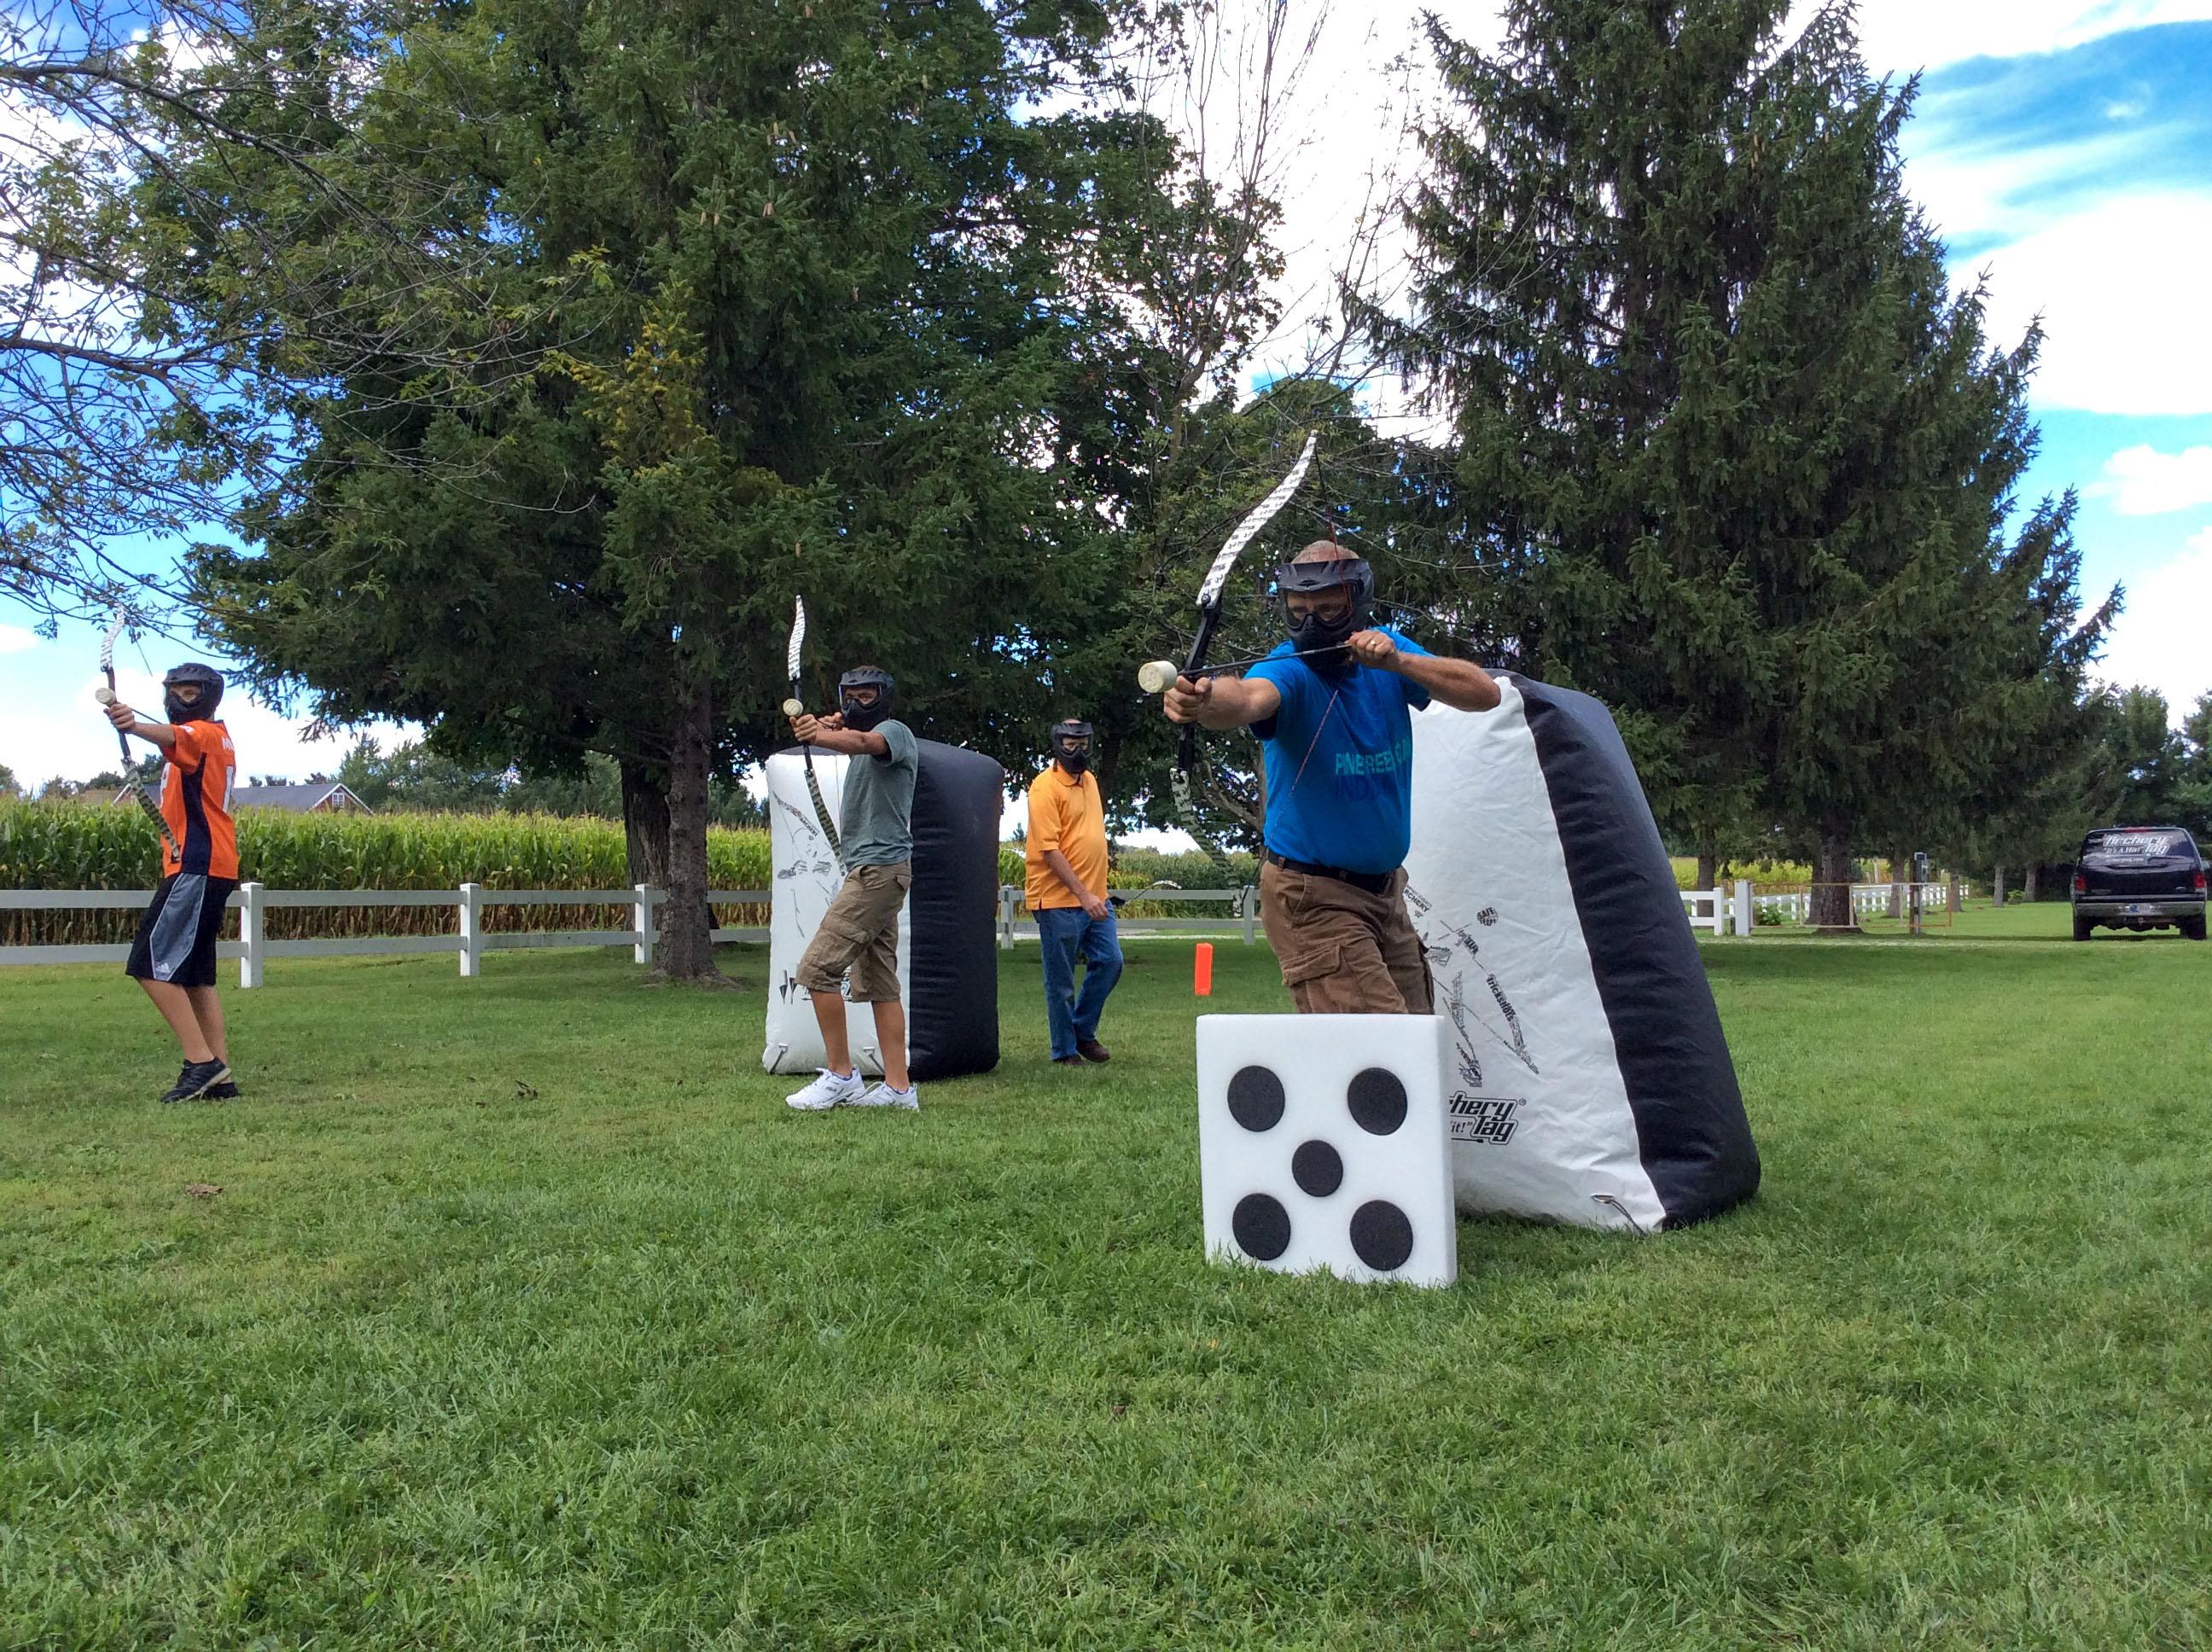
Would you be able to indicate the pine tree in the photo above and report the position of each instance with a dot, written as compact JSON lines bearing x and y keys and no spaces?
{"x":1712,"y":386}
{"x":815,"y":328}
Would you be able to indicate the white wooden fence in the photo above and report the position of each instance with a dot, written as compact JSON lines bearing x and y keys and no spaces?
{"x":253,"y":949}
{"x":1016,"y":923}
{"x":1719,"y":911}
{"x":1797,"y":907}
{"x":1724,"y":909}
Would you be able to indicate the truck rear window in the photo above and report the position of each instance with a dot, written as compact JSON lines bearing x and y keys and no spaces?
{"x":2138,"y":845}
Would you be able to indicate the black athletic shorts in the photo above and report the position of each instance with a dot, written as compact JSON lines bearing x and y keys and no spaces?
{"x":177,"y":937}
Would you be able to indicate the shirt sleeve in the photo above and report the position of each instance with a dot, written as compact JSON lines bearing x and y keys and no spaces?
{"x":1416,"y":696}
{"x":192,"y":744}
{"x":1291,"y":679}
{"x":900,"y":738}
{"x":1045,"y":822}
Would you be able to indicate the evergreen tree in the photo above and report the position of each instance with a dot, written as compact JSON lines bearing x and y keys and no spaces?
{"x":1722,"y":410}
{"x":815,"y":332}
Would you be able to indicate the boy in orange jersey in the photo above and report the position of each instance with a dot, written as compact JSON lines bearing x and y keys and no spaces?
{"x":1067,"y":855}
{"x":173,"y":956}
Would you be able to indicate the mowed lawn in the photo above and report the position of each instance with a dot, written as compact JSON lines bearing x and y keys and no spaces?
{"x":527,"y":1314}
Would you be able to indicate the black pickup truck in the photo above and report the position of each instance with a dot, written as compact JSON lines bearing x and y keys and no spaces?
{"x":2139,"y":877}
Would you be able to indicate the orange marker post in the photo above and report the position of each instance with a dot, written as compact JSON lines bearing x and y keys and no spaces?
{"x":1201,"y":972}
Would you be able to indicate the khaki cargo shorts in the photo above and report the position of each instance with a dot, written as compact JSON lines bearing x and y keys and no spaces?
{"x":1344,"y":951}
{"x":860,"y":932}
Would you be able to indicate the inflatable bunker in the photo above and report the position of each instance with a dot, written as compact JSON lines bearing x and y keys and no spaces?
{"x":948,"y":959}
{"x":1593,"y":1084}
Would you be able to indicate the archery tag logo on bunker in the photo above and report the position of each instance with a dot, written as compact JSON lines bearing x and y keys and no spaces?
{"x":1489,"y":1121}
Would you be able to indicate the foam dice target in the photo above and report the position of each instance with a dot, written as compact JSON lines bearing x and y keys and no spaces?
{"x":1322,"y":1144}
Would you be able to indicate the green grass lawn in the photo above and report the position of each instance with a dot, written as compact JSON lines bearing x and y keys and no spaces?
{"x":528,"y":1316}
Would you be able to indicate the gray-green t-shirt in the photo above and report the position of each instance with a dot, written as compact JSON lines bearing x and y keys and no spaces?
{"x":876,"y":818}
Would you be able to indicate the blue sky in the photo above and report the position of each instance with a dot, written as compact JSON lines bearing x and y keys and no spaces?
{"x":2080,"y":181}
{"x":2064,"y":148}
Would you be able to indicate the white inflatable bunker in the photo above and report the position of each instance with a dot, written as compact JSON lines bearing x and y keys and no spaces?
{"x":806,"y":878}
{"x":1592,"y":1084}
{"x":948,"y":972}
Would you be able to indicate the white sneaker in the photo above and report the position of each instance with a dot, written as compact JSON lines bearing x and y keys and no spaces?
{"x":828,"y":1090}
{"x":880,"y":1094}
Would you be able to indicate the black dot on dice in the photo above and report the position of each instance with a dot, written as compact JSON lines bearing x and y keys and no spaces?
{"x":1261,"y":1227}
{"x":1382,"y":1237}
{"x":1256,"y":1098}
{"x":1378,"y":1101}
{"x":1316,"y":1169}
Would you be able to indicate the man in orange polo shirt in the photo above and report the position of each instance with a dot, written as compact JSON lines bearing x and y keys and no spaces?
{"x":173,"y":956}
{"x":1067,"y":854}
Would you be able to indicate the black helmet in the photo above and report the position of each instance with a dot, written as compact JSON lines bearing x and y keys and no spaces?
{"x":859,"y":717}
{"x":200,"y":708}
{"x":1313,"y":634}
{"x":1073,"y":758}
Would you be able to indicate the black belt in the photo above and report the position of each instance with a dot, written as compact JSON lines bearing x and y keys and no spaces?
{"x":1375,"y":883}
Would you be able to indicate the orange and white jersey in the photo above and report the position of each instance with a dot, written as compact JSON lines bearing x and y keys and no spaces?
{"x":199,"y":771}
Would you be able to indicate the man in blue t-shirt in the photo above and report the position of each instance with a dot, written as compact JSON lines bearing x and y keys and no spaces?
{"x":1332,"y":706}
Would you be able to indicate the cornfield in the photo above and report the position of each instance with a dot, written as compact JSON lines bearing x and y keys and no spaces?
{"x":79,"y":845}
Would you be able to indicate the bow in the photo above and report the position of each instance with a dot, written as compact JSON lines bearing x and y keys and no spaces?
{"x":1184,"y":781}
{"x":793,"y":707}
{"x":132,"y":779}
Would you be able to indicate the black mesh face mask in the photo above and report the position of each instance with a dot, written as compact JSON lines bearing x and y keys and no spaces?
{"x":857,"y":716}
{"x":1071,"y":745}
{"x":1319,"y":628}
{"x":201,"y":706}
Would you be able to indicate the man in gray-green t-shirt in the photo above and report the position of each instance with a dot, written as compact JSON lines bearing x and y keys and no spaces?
{"x":860,"y":932}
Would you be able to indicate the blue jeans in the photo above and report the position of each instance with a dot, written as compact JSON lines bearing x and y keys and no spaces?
{"x":1066,"y":931}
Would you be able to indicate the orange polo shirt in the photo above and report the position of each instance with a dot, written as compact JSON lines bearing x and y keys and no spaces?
{"x":1067,"y":815}
{"x":196,"y":785}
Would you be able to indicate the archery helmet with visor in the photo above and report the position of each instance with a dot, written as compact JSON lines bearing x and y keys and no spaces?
{"x":1325,"y":601}
{"x":877,"y":684}
{"x":191,"y":693}
{"x":1071,"y":745}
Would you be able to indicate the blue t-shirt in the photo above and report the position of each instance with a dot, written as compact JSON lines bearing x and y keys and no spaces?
{"x":1340,"y":761}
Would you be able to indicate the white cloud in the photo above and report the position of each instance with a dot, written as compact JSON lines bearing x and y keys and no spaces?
{"x":70,"y":737}
{"x":2159,"y":642}
{"x":14,"y":639}
{"x":1904,"y":35}
{"x":1909,"y":34}
{"x":2143,"y":481}
{"x":2109,"y":283}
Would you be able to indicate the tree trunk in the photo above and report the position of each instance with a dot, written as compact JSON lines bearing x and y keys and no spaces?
{"x":1996,"y":885}
{"x":1709,"y":867}
{"x":686,"y":953}
{"x":1832,"y":878}
{"x":1900,"y":864}
{"x":2031,"y":889}
{"x":645,"y":822}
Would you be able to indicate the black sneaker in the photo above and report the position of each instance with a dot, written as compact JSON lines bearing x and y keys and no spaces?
{"x":226,"y":1090}
{"x":197,"y":1078}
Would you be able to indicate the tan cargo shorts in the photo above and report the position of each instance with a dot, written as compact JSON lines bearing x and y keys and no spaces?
{"x":1344,"y":951}
{"x":860,"y":932}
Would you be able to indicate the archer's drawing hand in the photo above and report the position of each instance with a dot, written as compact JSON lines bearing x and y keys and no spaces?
{"x":1373,"y":648}
{"x":1186,"y":697}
